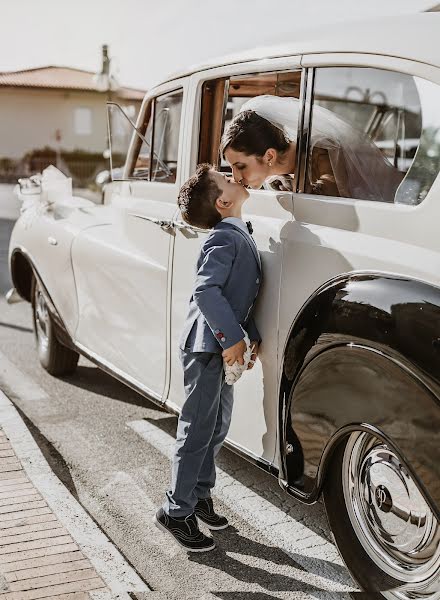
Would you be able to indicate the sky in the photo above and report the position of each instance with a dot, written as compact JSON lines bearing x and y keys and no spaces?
{"x":150,"y":39}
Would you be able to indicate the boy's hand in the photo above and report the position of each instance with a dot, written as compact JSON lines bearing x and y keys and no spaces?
{"x":235,"y":353}
{"x":255,"y":348}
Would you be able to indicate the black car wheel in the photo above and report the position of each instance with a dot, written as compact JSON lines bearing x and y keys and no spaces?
{"x":56,"y":358}
{"x":385,"y":530}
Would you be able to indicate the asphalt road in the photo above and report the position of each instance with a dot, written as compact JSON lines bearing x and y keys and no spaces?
{"x":111,"y":447}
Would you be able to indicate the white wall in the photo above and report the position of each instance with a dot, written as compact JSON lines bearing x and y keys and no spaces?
{"x":29,"y":119}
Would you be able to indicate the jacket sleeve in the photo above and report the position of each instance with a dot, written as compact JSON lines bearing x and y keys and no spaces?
{"x":252,"y":331}
{"x":217,"y":256}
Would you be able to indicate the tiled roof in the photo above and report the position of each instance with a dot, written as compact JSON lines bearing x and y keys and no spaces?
{"x":61,"y":78}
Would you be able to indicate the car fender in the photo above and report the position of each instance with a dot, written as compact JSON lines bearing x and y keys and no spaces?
{"x":41,"y":243}
{"x":362,"y":354}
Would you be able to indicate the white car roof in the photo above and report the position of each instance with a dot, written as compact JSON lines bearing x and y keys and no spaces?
{"x":410,"y":36}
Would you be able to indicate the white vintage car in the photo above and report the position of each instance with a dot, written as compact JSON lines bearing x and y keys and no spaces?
{"x":346,"y":397}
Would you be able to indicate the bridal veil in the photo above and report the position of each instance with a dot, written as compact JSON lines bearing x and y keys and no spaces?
{"x":359,"y":168}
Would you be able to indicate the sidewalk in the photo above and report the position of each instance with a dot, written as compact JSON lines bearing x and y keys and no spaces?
{"x":49,"y":546}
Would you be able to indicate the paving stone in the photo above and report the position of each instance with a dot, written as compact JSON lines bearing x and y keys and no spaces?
{"x":23,"y":514}
{"x":19,"y":500}
{"x":34,"y":535}
{"x":9,"y":459}
{"x":34,"y":544}
{"x":42,"y":561}
{"x":16,"y":492}
{"x":53,"y":579}
{"x":8,"y":468}
{"x":49,"y":592}
{"x":51,"y":569}
{"x":50,"y":523}
{"x":36,"y":552}
{"x":5,"y":476}
{"x":23,"y":506}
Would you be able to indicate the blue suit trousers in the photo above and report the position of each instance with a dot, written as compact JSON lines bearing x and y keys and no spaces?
{"x":202,"y":428}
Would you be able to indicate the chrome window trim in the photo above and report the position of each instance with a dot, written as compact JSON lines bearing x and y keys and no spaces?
{"x":227,"y":77}
{"x":304,"y":136}
{"x":180,"y":89}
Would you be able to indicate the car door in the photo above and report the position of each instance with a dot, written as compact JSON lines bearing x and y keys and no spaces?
{"x":122,"y":268}
{"x":216,"y":98}
{"x":392,"y":104}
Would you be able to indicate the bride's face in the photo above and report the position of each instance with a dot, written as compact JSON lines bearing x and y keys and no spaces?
{"x":249,"y":170}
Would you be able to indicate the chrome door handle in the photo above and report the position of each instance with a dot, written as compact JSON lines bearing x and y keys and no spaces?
{"x":183,"y":225}
{"x":164,"y":224}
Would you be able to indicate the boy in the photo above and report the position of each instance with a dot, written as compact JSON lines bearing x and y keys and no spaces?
{"x":227,"y":282}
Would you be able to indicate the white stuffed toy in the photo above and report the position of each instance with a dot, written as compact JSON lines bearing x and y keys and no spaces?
{"x":235,"y":371}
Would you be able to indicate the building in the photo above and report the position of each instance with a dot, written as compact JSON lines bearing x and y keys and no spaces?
{"x":60,"y":109}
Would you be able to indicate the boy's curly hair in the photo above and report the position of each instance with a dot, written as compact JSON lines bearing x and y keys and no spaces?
{"x":197,"y":198}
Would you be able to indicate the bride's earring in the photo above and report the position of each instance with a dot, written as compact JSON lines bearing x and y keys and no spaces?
{"x":269,"y":164}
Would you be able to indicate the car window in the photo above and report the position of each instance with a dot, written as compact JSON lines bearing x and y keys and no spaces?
{"x":222,"y":100}
{"x":156,"y":155}
{"x":374,"y":135}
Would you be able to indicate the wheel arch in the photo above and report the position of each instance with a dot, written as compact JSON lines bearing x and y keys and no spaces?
{"x":356,"y":330}
{"x":21,"y":269}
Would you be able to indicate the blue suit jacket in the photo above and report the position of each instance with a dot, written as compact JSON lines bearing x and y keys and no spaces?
{"x":226,"y":286}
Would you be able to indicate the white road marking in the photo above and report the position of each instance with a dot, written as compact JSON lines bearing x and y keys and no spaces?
{"x":315,"y":554}
{"x":107,"y":560}
{"x":18,"y":383}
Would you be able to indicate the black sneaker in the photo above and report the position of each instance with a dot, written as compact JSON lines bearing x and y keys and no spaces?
{"x":204,"y":511}
{"x":185,"y":531}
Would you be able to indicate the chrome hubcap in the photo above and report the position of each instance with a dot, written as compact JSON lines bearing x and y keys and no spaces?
{"x":391,"y":518}
{"x":41,"y":320}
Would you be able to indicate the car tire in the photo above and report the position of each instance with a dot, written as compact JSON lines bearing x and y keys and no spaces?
{"x":56,"y":358}
{"x":385,"y":531}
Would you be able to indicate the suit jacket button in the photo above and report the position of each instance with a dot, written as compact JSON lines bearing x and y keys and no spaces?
{"x":257,"y":280}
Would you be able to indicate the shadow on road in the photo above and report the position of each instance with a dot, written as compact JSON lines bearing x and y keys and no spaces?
{"x":232,"y":542}
{"x":93,"y":379}
{"x":50,"y":453}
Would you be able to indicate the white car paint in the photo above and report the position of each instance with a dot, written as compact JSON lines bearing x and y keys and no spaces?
{"x":122,"y":284}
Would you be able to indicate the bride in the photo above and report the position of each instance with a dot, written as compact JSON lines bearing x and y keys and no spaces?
{"x":260,"y":145}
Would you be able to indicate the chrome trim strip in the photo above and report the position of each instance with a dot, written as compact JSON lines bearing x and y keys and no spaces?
{"x":224,"y":109}
{"x":306,"y":129}
{"x":260,"y":462}
{"x":300,"y":141}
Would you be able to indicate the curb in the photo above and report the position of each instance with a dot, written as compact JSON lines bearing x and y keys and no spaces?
{"x":120,"y":578}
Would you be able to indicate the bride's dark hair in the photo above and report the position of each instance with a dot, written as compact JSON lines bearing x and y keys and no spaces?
{"x":252,"y":134}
